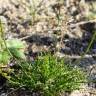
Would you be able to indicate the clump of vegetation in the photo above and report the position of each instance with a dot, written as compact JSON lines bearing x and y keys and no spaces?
{"x":47,"y":75}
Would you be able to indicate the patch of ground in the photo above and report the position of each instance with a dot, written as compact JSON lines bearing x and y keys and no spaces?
{"x":52,"y":25}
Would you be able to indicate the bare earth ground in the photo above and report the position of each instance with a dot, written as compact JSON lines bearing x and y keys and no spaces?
{"x":54,"y":26}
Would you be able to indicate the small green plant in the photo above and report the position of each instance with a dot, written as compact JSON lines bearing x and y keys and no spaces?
{"x":33,"y":10}
{"x":47,"y":75}
{"x":15,"y":49}
{"x":9,"y":49}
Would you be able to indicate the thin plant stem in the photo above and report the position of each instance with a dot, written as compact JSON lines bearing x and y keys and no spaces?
{"x":88,"y":48}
